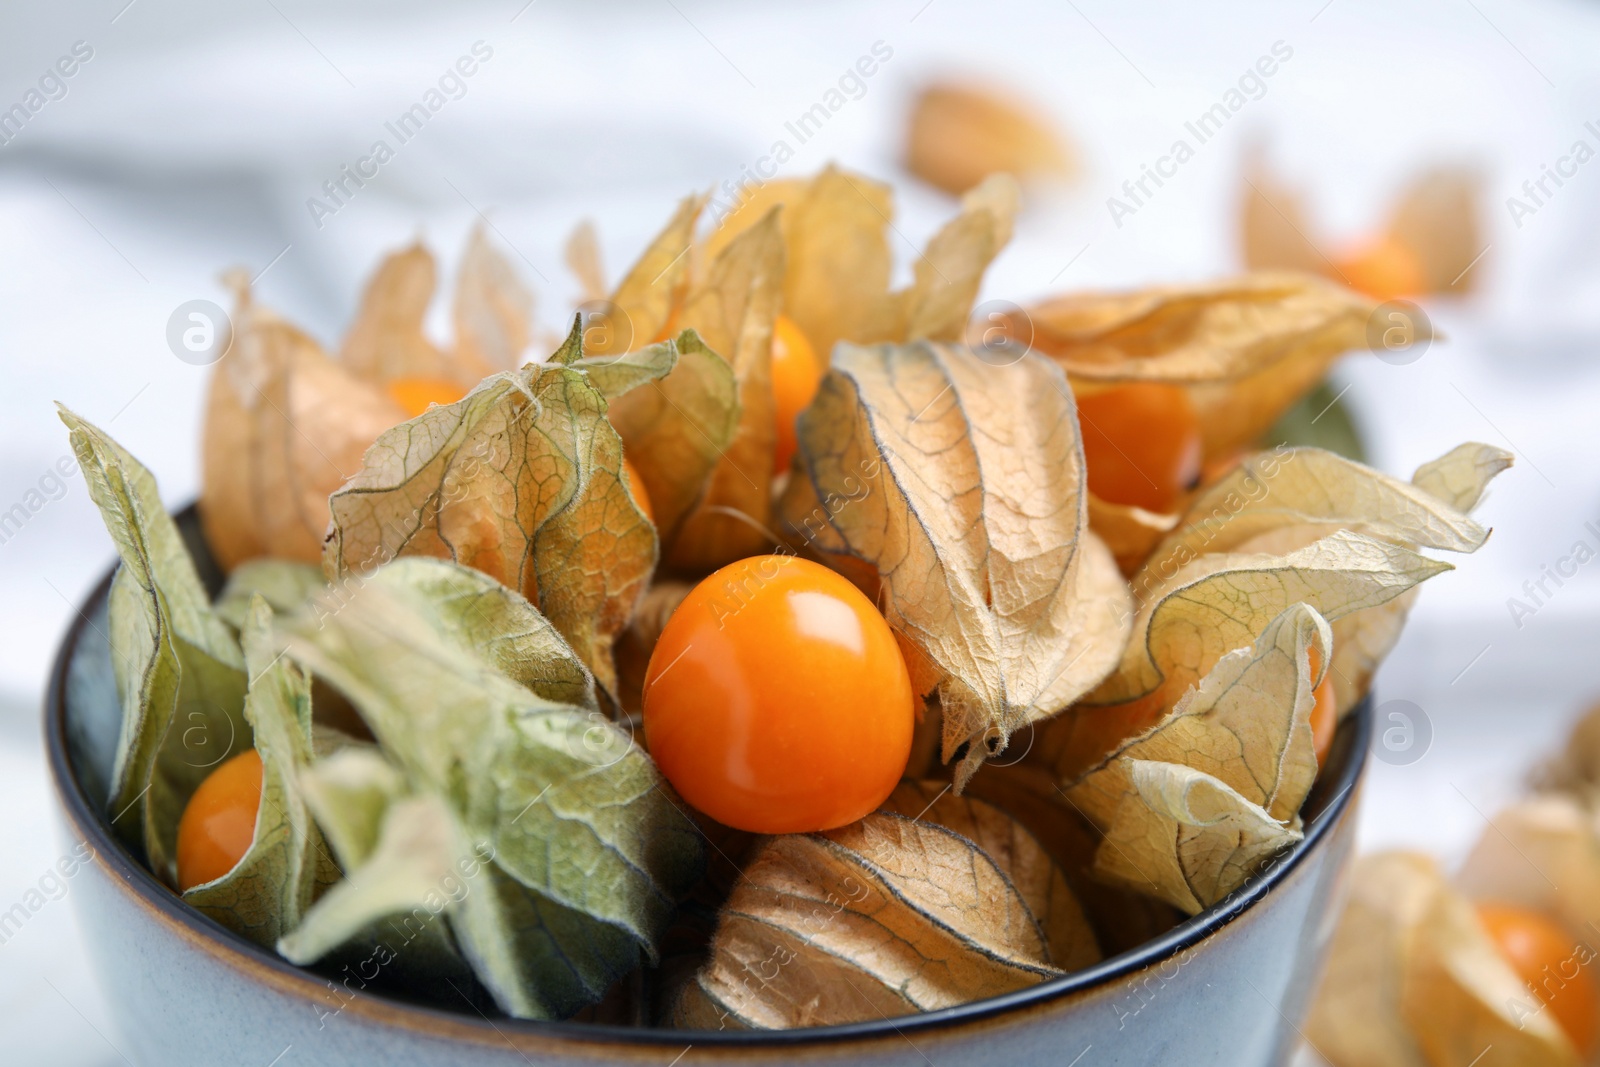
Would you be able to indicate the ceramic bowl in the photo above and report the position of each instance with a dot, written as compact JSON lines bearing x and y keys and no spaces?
{"x":1226,"y":988}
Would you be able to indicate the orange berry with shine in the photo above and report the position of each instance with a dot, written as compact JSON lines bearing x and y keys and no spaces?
{"x":636,"y":486}
{"x":1141,"y":444}
{"x":1324,"y":713}
{"x":1384,"y":269}
{"x":796,"y":373}
{"x":219,"y":822}
{"x":776,"y":700}
{"x":1559,"y":972}
{"x":415,"y":395}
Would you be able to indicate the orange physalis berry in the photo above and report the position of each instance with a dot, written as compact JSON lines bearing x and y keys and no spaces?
{"x":219,"y":822}
{"x":776,"y":700}
{"x":1141,"y":444}
{"x":416,"y":395}
{"x":636,"y":486}
{"x":795,"y":377}
{"x":1556,"y":968}
{"x":1324,"y":713}
{"x":1385,"y":269}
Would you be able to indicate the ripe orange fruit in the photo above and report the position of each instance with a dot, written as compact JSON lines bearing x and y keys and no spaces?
{"x":795,"y":377}
{"x":219,"y":822}
{"x":1141,"y":444}
{"x":636,"y":487}
{"x":776,"y":700}
{"x":1324,"y":720}
{"x":416,"y":394}
{"x":1384,"y":269}
{"x":1324,"y":713}
{"x":1557,"y":971}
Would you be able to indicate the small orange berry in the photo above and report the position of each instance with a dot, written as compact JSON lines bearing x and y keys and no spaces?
{"x":1385,"y":269}
{"x":219,"y":822}
{"x":776,"y":700}
{"x":1324,"y":713}
{"x":636,"y":486}
{"x":795,"y":377}
{"x":416,"y":395}
{"x":1141,"y":444}
{"x":1555,"y":967}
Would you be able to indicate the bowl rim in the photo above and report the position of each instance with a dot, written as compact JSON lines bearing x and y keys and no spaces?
{"x":231,"y":949}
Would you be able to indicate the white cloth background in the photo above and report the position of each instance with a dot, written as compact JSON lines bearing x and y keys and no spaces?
{"x":192,"y":138}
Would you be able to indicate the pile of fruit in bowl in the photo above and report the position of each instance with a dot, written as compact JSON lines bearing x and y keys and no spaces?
{"x":772,"y":649}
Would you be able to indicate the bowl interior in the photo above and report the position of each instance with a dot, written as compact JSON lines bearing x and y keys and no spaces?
{"x":83,"y":718}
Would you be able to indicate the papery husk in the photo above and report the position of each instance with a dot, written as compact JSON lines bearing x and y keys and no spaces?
{"x":1434,"y":223}
{"x":1193,"y":807}
{"x":1310,"y":493}
{"x":1541,"y":853}
{"x":836,"y":247}
{"x":582,"y":254}
{"x":1430,"y":512}
{"x":961,"y":483}
{"x":1030,"y":794}
{"x":655,"y":608}
{"x":1437,"y":219}
{"x":677,"y":430}
{"x":1186,"y":837}
{"x":961,"y":133}
{"x":634,"y":645}
{"x":817,"y":251}
{"x":752,"y":204}
{"x":1069,"y":940}
{"x":272,"y":885}
{"x":1221,"y":600}
{"x":179,"y":670}
{"x":1279,"y":505}
{"x":570,"y":852}
{"x":834,"y":287}
{"x":395,"y":896}
{"x":838,"y":255}
{"x":1209,"y":607}
{"x":1131,"y":533}
{"x":887,"y":916}
{"x":386,"y":341}
{"x":493,"y":312}
{"x":945,"y":278}
{"x":1244,"y":349}
{"x":1362,"y":641}
{"x":1355,"y":1017}
{"x":643,"y":308}
{"x":1575,"y":767}
{"x":733,"y":310}
{"x":1413,"y":980}
{"x":283,"y":584}
{"x":1247,"y":723}
{"x":520,"y":479}
{"x":284,"y":427}
{"x":1273,"y":224}
{"x":1461,"y":476}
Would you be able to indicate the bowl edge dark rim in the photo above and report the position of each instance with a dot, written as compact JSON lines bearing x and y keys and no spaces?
{"x":1185,"y":935}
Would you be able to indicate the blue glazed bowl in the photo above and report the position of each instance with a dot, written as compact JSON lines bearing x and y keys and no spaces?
{"x":1226,"y":988}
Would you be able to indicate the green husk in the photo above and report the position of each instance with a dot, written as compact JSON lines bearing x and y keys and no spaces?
{"x":179,"y":669}
{"x":569,"y":851}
